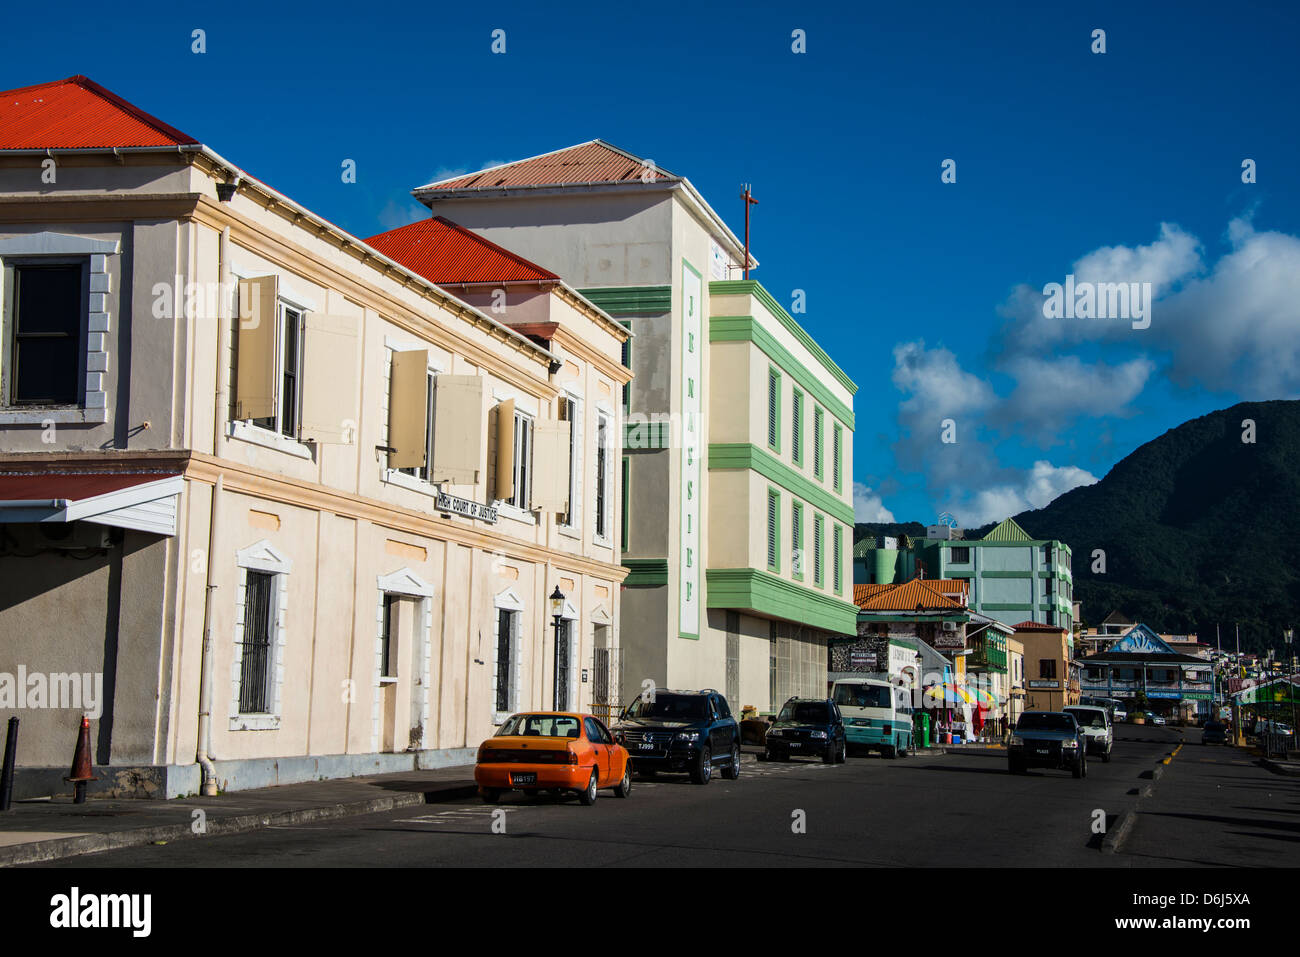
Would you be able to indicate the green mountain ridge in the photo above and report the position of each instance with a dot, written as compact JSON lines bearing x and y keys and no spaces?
{"x":1196,"y":528}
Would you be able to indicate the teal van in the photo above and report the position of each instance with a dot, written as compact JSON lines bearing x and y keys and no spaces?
{"x":877,"y":716}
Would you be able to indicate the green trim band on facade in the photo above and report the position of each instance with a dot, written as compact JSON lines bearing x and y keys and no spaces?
{"x":621,"y":300}
{"x":749,"y":329}
{"x":734,"y":287}
{"x":742,"y":455}
{"x":644,"y":572}
{"x":752,"y":590}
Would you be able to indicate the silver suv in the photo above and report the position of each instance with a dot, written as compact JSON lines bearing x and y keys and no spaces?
{"x":1097,"y":729}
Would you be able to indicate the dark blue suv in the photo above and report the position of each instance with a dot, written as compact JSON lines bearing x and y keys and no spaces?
{"x":807,"y":727}
{"x":690,"y":731}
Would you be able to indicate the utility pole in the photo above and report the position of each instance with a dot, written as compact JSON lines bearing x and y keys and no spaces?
{"x":749,"y":201}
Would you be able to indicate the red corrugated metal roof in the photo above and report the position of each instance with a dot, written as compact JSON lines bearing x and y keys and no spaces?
{"x":78,"y":113}
{"x":73,"y":487}
{"x":586,"y":163}
{"x":448,"y":254}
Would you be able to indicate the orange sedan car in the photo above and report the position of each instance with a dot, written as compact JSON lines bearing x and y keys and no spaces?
{"x":552,"y":751}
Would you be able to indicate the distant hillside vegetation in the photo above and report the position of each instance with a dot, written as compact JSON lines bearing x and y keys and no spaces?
{"x":1197,"y":527}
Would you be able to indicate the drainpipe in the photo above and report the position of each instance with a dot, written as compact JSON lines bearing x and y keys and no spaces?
{"x":222,"y":405}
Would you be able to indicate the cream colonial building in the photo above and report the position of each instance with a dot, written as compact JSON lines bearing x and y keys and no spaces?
{"x":301,"y":500}
{"x":737,"y":456}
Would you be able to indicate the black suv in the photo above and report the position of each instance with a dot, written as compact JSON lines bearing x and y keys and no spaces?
{"x":681,"y":731}
{"x":807,"y":727}
{"x":1048,"y":739}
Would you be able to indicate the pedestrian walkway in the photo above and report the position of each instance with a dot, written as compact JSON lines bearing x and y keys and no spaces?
{"x":48,"y":829}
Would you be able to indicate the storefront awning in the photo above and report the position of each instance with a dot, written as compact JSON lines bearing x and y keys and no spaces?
{"x":143,"y":501}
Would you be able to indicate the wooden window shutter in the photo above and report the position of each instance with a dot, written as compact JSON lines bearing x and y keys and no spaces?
{"x":505,"y":476}
{"x":457,"y":429}
{"x":329,"y":379}
{"x":255,"y":374}
{"x":550,"y":466}
{"x":407,"y":409}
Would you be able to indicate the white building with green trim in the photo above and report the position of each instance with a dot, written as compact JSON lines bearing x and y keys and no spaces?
{"x":738,"y":427}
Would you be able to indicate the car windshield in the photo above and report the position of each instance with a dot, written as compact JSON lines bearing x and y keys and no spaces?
{"x":862,"y":696}
{"x":1046,"y":721}
{"x":671,"y":707}
{"x":1088,"y":718}
{"x":812,"y":712}
{"x":541,"y":725}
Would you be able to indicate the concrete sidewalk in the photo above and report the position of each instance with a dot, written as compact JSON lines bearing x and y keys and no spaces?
{"x":48,"y":829}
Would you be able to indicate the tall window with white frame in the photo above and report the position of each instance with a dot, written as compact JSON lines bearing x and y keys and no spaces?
{"x":388,"y":638}
{"x":523,"y":463}
{"x":256,"y":660}
{"x":604,"y":427}
{"x":46,"y":312}
{"x":568,"y":412}
{"x":289,"y":363}
{"x":505,"y":660}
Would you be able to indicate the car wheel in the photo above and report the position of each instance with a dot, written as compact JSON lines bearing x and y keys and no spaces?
{"x":1078,"y":769}
{"x":732,"y":771}
{"x":906,"y":748}
{"x":843,"y":754}
{"x":624,"y":787}
{"x":489,"y":795}
{"x":1105,"y":756}
{"x":703,"y":769}
{"x":889,"y":751}
{"x":588,"y":796}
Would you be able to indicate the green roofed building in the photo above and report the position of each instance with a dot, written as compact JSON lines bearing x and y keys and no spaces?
{"x":1013,"y":577}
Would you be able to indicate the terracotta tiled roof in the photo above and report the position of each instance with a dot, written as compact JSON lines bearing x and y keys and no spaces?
{"x":78,"y":113}
{"x":906,"y":597}
{"x":591,"y":163}
{"x":862,"y":592}
{"x":448,"y":254}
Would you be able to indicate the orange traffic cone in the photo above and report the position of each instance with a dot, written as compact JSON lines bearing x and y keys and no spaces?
{"x":80,"y":772}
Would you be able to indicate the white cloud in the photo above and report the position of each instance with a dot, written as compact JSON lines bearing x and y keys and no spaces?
{"x":868,"y":506}
{"x":1237,"y":330}
{"x":1043,"y":483}
{"x":1051,"y":394}
{"x":401,"y":212}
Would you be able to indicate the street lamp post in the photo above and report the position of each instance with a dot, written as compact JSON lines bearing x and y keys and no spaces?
{"x":557,"y":611}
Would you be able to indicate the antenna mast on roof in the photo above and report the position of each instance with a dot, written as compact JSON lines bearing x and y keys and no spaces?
{"x":749,"y":201}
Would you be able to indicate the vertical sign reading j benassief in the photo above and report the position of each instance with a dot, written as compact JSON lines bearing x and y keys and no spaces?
{"x":688,"y":596}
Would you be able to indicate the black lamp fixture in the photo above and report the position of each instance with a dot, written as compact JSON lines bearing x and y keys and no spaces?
{"x":226,"y":191}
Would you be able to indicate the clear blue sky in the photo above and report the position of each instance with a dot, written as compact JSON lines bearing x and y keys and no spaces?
{"x":1062,"y":155}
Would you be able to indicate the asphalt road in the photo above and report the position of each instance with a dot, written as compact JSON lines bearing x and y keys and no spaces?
{"x":949,"y":810}
{"x":1216,"y":806}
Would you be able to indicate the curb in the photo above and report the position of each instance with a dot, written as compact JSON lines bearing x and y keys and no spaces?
{"x":1110,"y":844}
{"x":1115,"y":837}
{"x":62,"y":847}
{"x":1277,"y":767}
